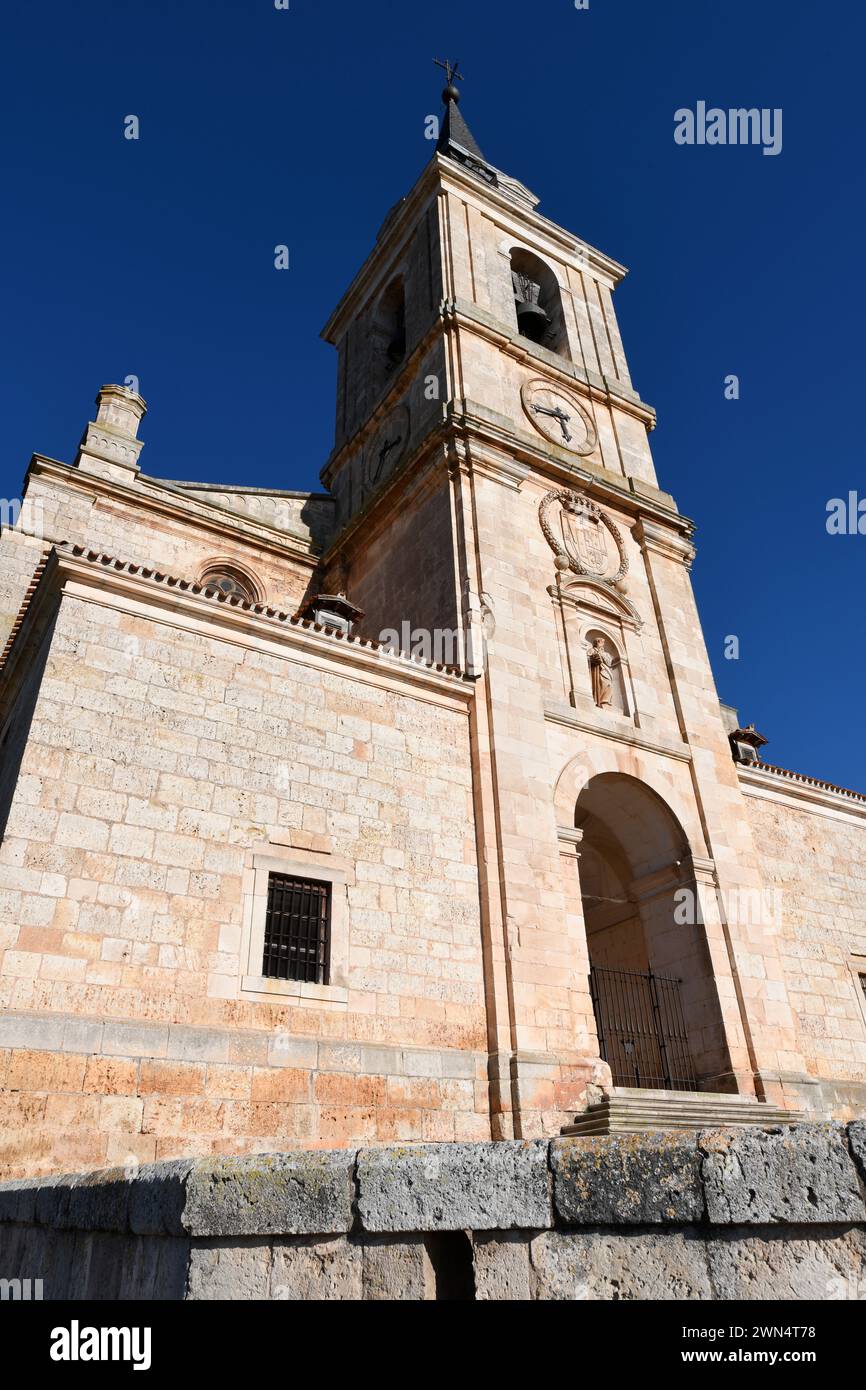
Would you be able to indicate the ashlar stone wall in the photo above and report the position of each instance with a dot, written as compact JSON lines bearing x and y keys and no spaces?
{"x":173,"y":743}
{"x":813,"y":859}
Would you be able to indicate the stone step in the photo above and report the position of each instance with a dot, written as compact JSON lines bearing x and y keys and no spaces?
{"x":644,"y":1093}
{"x":602,"y":1125}
{"x":627,"y":1110}
{"x":719,"y":1111}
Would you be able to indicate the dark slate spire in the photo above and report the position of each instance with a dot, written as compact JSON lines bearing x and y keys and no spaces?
{"x":455,"y":138}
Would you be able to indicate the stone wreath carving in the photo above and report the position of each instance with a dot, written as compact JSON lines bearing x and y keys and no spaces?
{"x":578,"y":543}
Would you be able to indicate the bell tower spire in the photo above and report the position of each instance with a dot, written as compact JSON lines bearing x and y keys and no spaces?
{"x":455,"y":137}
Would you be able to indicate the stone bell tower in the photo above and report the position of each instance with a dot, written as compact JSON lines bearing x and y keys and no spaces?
{"x":495,"y":481}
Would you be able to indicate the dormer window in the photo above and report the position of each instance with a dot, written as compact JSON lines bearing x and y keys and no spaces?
{"x":537,"y":302}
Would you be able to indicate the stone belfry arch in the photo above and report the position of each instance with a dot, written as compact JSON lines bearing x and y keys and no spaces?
{"x":494,"y":480}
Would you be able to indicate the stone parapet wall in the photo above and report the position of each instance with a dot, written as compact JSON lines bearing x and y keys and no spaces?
{"x":718,"y":1214}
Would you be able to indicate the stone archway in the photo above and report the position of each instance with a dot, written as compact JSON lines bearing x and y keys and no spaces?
{"x":655,"y":998}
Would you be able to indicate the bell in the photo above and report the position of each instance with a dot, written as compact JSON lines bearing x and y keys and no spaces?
{"x":397,"y":347}
{"x":532,"y":320}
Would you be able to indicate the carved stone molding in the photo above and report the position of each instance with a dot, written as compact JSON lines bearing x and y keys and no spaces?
{"x":663,"y":541}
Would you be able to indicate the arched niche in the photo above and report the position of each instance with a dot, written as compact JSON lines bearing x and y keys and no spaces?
{"x":388,"y":330}
{"x":608,"y":677}
{"x":537,"y":301}
{"x":656,"y":1001}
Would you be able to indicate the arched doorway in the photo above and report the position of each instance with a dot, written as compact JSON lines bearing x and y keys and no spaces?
{"x":655,"y":1000}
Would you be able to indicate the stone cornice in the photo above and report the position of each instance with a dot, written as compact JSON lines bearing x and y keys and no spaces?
{"x":96,"y":578}
{"x":569,"y":719}
{"x":166,"y":499}
{"x":499,"y":451}
{"x":663,"y":541}
{"x":811,"y":795}
{"x":602,"y":390}
{"x":496,"y":432}
{"x":597,"y":390}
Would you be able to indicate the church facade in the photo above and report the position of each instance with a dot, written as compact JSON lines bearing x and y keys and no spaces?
{"x":406,"y":810}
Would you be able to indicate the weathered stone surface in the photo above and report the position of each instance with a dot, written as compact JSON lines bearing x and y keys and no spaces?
{"x":502,"y":1269}
{"x":154,"y":1268}
{"x":60,"y":1259}
{"x":303,"y":1193}
{"x":857,"y":1140}
{"x":157,"y":1195}
{"x":240,"y":1271}
{"x":635,"y":1178}
{"x":803,"y":1174}
{"x":455,"y":1187}
{"x":52,"y":1200}
{"x":18,"y":1200}
{"x":99,"y":1201}
{"x":397,"y":1270}
{"x":588,"y":1265}
{"x":317,"y":1270}
{"x":795,"y":1264}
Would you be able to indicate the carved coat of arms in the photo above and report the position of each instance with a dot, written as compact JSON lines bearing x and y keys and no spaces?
{"x":583,"y":538}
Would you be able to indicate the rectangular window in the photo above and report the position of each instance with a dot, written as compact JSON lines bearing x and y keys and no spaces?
{"x":297,"y":930}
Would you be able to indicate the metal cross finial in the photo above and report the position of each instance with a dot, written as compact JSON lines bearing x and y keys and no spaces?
{"x":452,"y":70}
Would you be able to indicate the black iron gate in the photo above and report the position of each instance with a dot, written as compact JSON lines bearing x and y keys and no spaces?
{"x":641,"y":1029}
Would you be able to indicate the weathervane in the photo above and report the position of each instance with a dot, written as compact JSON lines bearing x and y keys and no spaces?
{"x":453,"y":73}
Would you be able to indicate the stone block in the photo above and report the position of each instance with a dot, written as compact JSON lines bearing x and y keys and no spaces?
{"x":99,"y":1201}
{"x":302,"y":1193}
{"x":801,"y":1174}
{"x":135,"y":1040}
{"x":799,"y":1264}
{"x":317,"y":1270}
{"x":155,"y":1269}
{"x":82,"y":1035}
{"x":639,"y":1179}
{"x":397,"y":1270}
{"x":502,"y":1268}
{"x":25,"y":1030}
{"x":857,"y":1142}
{"x":240,"y":1271}
{"x":157,"y":1196}
{"x":52,"y":1200}
{"x":18,"y":1200}
{"x":198,"y":1044}
{"x":455,"y":1187}
{"x":620,"y":1266}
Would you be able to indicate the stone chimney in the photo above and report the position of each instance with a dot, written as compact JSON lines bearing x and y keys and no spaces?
{"x":109,"y":447}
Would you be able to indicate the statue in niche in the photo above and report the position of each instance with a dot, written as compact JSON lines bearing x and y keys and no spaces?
{"x":601,"y":669}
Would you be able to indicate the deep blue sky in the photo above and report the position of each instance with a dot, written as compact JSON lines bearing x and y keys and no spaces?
{"x":261,"y":127}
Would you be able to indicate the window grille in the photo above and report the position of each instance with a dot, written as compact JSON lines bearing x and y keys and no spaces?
{"x":297,"y":930}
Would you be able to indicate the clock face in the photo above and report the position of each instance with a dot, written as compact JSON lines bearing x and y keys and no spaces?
{"x":559,"y":416}
{"x":386,"y":448}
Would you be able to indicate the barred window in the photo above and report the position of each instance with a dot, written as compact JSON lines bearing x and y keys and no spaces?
{"x":297,"y":930}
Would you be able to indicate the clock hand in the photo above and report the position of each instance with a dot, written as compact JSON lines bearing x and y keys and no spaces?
{"x":558,"y":414}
